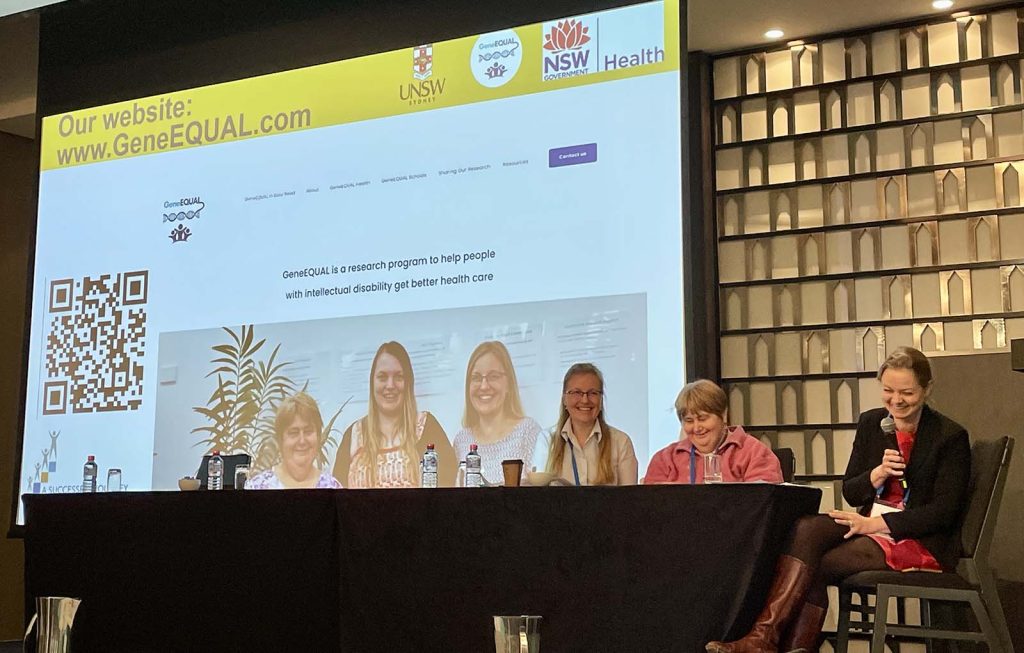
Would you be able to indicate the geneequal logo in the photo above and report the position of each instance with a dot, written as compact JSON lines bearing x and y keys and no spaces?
{"x":495,"y":58}
{"x":569,"y":47}
{"x":189,"y":209}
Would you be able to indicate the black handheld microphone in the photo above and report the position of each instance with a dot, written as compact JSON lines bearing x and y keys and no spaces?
{"x":888,"y":425}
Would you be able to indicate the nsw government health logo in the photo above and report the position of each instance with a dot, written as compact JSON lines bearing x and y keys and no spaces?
{"x":569,"y":47}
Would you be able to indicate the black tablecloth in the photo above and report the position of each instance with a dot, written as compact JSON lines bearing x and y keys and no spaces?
{"x":661,"y":568}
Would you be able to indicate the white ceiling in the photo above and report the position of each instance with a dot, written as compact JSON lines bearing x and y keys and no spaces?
{"x":723,"y":25}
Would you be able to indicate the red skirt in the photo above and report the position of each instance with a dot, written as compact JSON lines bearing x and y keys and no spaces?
{"x":906,"y":555}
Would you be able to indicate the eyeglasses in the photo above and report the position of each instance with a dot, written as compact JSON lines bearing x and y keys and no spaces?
{"x":490,"y":377}
{"x":577,"y":395}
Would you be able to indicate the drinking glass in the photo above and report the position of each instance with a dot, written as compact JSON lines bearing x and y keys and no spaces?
{"x":114,"y":480}
{"x":241,"y":476}
{"x":712,"y":468}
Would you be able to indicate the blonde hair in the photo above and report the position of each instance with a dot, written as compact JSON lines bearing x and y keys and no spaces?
{"x":556,"y":453}
{"x":367,"y":454}
{"x":908,"y":358}
{"x":513,"y":406}
{"x":701,"y":396}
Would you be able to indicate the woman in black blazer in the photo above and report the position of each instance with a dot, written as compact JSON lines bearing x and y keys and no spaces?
{"x":908,"y":474}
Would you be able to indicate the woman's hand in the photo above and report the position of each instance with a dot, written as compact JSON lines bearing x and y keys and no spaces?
{"x":892,"y":465}
{"x":859,"y":524}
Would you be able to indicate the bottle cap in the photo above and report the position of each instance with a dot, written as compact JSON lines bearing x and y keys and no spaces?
{"x":430,"y":447}
{"x":216,"y":452}
{"x":472,"y":447}
{"x":92,"y":458}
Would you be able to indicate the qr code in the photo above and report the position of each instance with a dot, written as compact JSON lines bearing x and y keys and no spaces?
{"x":96,"y":343}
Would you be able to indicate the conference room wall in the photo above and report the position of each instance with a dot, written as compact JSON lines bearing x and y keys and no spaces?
{"x":18,"y":169}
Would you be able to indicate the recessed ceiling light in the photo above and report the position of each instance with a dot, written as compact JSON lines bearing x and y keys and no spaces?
{"x":942,"y":4}
{"x":776,"y":33}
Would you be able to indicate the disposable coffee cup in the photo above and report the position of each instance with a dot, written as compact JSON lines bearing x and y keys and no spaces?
{"x":513,"y":471}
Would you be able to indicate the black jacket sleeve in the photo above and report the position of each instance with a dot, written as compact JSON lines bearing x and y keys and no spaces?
{"x":948,"y":496}
{"x":857,"y":488}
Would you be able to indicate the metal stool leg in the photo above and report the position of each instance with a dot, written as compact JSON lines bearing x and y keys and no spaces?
{"x":843,"y":627}
{"x":881,"y":617}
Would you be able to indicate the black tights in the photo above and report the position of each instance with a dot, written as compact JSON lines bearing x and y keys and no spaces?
{"x":818,"y":541}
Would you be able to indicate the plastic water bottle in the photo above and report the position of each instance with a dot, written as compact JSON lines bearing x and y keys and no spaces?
{"x":89,"y":473}
{"x":430,"y":467}
{"x":215,"y":475}
{"x":473,"y":476}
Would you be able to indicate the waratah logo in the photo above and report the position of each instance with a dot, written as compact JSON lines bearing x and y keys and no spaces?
{"x":566,"y":35}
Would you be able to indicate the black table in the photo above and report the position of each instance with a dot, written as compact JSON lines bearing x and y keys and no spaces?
{"x":661,"y":568}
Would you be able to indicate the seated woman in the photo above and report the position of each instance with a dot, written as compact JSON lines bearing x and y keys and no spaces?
{"x":298,"y":431}
{"x":493,"y":416}
{"x":383,"y":449}
{"x":598,"y":454}
{"x":702,"y":408}
{"x":906,"y":455}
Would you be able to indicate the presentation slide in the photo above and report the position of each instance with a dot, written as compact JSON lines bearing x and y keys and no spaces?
{"x":499,"y":207}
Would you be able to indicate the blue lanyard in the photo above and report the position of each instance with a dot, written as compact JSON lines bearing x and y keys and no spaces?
{"x":903,"y":486}
{"x":575,"y":470}
{"x":693,"y":465}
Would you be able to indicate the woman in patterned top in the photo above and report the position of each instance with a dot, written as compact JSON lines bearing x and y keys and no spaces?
{"x":493,"y":417}
{"x":299,"y":432}
{"x":383,"y":448}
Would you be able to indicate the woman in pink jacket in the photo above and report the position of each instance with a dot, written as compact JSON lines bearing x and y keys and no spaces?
{"x":702,"y":408}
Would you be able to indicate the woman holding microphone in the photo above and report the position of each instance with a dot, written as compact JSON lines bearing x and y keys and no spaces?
{"x":908,"y":474}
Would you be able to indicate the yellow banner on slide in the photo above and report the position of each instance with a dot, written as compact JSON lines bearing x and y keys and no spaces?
{"x":615,"y":44}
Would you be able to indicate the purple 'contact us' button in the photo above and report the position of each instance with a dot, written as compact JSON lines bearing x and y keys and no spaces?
{"x":573,"y":155}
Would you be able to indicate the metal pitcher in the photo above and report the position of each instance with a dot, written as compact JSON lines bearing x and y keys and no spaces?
{"x":55,"y":615}
{"x":517,"y":634}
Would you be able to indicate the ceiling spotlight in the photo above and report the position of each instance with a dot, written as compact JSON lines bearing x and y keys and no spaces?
{"x":942,"y":4}
{"x":776,"y":33}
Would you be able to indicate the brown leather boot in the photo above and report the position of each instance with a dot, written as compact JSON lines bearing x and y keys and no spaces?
{"x":792,"y":578}
{"x":804,"y":634}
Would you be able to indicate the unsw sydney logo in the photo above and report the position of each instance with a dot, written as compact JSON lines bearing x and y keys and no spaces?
{"x":426,"y":88}
{"x":189,"y":209}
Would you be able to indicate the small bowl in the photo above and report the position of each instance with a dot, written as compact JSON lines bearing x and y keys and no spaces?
{"x":188,"y":484}
{"x":540,"y":479}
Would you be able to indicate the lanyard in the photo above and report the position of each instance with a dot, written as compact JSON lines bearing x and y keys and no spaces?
{"x":693,"y":465}
{"x":879,"y":491}
{"x":575,"y":470}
